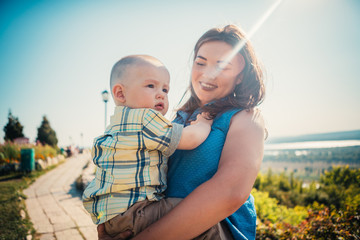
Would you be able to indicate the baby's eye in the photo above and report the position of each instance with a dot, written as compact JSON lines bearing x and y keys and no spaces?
{"x":150,"y":85}
{"x":165,"y":90}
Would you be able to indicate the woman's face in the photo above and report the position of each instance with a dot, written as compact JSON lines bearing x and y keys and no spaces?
{"x":212,"y":77}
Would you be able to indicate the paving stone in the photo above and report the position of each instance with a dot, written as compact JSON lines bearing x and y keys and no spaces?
{"x":54,"y":205}
{"x":48,"y":236}
{"x":81,"y":218}
{"x":89,"y":233}
{"x":29,"y":192}
{"x":38,"y":217}
{"x":72,"y":234}
{"x":43,"y":227}
{"x":60,"y":226}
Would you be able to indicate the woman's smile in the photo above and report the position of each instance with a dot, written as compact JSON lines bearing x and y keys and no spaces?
{"x":207,"y":86}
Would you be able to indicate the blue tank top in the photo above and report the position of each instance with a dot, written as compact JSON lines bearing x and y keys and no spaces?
{"x":189,"y":169}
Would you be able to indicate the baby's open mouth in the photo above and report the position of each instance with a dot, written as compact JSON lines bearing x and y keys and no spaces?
{"x":159,"y":106}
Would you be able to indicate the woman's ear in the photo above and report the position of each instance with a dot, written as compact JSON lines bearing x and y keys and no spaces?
{"x":118,"y":93}
{"x":242,"y":66}
{"x":239,"y":78}
{"x":242,"y":62}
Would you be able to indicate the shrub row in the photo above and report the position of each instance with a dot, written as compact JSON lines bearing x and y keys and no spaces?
{"x":10,"y":152}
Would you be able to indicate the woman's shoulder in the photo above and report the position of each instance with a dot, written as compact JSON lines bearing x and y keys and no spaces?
{"x":248,"y":120}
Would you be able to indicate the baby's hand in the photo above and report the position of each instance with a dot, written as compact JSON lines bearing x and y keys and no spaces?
{"x":203,"y":118}
{"x":196,"y":133}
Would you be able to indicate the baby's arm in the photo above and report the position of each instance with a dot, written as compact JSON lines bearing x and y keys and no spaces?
{"x":196,"y":133}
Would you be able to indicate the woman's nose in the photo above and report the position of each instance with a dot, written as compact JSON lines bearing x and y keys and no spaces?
{"x":209,"y":73}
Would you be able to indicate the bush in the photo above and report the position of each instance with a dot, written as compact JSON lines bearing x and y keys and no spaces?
{"x":333,"y":206}
{"x":10,"y":155}
{"x":44,"y":151}
{"x":321,"y":223}
{"x":10,"y":152}
{"x":268,"y":209}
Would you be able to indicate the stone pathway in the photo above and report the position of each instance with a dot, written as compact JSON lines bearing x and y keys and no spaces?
{"x":54,"y":204}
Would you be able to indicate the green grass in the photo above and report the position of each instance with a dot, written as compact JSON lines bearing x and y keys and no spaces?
{"x":12,"y":201}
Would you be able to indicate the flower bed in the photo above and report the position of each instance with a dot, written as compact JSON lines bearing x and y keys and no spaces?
{"x":10,"y":156}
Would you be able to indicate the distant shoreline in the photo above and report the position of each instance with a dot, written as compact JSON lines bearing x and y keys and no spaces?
{"x":331,"y":136}
{"x":311,"y":145}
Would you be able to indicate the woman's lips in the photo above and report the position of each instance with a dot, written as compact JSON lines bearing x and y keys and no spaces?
{"x":207,"y":86}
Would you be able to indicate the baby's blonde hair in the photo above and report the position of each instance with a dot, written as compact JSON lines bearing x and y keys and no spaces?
{"x":120,"y":67}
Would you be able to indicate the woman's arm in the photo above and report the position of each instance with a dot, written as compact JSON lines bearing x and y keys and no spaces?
{"x":226,"y":191}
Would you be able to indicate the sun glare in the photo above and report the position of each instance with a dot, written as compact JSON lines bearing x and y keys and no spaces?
{"x":242,"y":43}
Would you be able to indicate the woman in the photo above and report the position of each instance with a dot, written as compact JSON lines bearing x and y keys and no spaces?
{"x":215,"y":179}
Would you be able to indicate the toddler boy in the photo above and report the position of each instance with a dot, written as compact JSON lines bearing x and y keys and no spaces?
{"x":131,"y":156}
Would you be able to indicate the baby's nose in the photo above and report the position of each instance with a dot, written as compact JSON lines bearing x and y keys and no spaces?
{"x":160,"y":95}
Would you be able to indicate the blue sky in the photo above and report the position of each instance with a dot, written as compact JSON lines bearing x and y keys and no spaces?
{"x":56,"y":58}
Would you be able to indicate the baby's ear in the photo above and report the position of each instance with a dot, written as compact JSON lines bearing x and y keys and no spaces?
{"x":118,"y":93}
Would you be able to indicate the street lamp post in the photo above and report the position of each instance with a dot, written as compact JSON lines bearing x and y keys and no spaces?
{"x":105,"y":97}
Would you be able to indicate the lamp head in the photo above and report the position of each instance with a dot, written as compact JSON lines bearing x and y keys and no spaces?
{"x":105,"y":96}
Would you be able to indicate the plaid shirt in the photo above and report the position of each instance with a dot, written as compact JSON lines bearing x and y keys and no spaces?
{"x":131,"y":160}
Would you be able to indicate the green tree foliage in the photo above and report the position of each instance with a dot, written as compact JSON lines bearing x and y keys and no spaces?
{"x":268,"y":209}
{"x":46,"y":135}
{"x":333,"y":206}
{"x":320,"y":224}
{"x":286,"y":189}
{"x":13,"y":129}
{"x":338,"y":188}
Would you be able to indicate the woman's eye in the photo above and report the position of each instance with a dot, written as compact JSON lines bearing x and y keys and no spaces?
{"x":200,"y":64}
{"x":222,"y":67}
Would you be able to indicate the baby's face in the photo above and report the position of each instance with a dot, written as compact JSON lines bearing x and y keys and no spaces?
{"x":147,"y":86}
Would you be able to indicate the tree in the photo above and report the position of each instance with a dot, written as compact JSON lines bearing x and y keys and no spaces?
{"x":13,"y":128}
{"x":46,"y":135}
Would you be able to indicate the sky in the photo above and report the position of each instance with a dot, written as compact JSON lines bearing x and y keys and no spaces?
{"x":56,"y":58}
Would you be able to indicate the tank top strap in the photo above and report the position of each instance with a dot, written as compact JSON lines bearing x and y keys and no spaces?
{"x":223,"y":120}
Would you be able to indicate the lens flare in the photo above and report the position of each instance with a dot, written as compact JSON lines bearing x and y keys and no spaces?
{"x":242,"y":43}
{"x":239,"y":46}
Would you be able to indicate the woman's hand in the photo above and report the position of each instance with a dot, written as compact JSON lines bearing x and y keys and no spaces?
{"x":102,"y":234}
